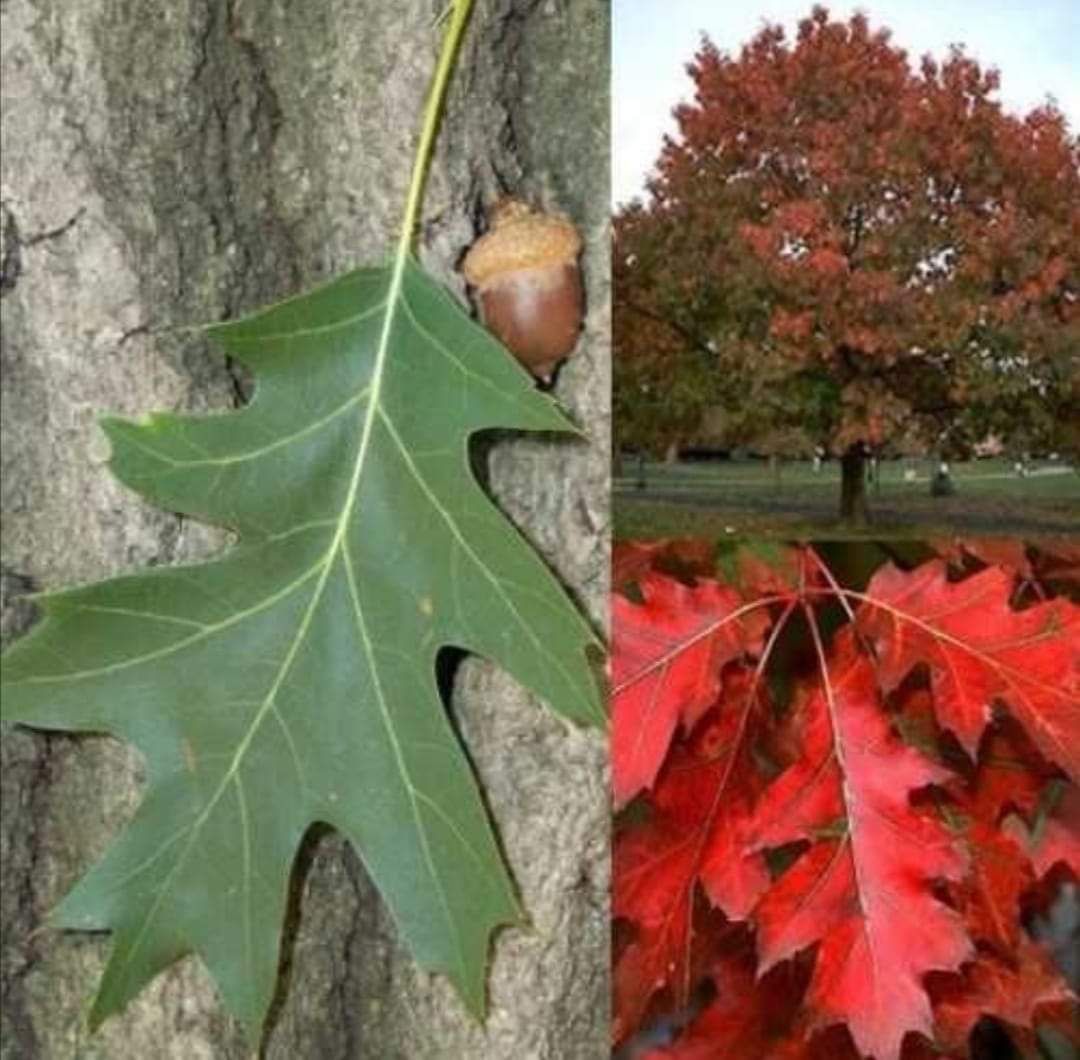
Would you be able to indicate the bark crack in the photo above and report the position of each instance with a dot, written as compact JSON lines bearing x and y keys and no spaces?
{"x":29,"y":761}
{"x":54,"y":233}
{"x":10,"y":251}
{"x":13,"y":243}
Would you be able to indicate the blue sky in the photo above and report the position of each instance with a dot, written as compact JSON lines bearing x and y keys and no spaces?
{"x":1034,"y":45}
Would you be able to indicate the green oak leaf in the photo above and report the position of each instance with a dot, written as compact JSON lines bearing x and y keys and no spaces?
{"x":293,"y":681}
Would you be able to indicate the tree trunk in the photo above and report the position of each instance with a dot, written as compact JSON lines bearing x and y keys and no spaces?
{"x":189,"y":167}
{"x":853,"y":506}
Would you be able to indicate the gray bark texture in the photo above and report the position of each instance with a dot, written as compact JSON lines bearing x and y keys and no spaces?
{"x":172,"y":163}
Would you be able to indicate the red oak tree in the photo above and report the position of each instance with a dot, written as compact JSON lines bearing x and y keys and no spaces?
{"x":839,"y":241}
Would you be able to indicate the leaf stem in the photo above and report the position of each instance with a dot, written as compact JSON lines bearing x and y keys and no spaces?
{"x":432,"y":113}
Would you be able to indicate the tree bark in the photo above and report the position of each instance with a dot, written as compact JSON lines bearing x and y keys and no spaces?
{"x":189,"y":167}
{"x":854,"y":509}
{"x":774,"y":469}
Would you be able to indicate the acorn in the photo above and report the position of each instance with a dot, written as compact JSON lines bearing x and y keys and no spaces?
{"x":526,"y":274}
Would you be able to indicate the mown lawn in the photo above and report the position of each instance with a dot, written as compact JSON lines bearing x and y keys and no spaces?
{"x":721,"y":498}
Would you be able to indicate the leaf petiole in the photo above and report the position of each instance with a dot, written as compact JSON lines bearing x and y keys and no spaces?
{"x":459,"y":15}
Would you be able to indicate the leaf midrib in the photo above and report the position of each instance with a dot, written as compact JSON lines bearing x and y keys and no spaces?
{"x":232,"y":772}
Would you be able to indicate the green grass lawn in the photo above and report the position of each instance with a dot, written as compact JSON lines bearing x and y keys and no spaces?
{"x":747,"y":497}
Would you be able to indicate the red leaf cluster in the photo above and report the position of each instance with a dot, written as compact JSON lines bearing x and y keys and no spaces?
{"x":838,"y":803}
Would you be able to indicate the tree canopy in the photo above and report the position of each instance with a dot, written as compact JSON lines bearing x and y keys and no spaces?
{"x":839,"y":240}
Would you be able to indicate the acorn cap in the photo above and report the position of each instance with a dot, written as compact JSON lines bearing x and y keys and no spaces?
{"x":520,"y":238}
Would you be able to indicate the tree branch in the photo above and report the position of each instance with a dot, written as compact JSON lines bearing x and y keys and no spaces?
{"x":698,"y":343}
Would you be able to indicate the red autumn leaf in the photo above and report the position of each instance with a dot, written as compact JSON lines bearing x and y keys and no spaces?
{"x":695,"y":836}
{"x":863,"y":888}
{"x":1057,"y":562}
{"x":685,"y":558}
{"x":1055,"y":839}
{"x":887,"y":865}
{"x":989,"y":895}
{"x":698,"y":1043}
{"x":631,"y":559}
{"x":979,"y":651}
{"x":1008,"y":553}
{"x":767,"y":567}
{"x":1009,"y":774}
{"x":653,"y":888}
{"x":1011,"y":991}
{"x":748,"y":1017}
{"x":666,"y":659}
